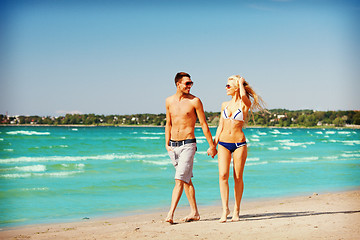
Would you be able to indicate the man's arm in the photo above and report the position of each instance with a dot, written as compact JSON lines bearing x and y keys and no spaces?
{"x":201,"y":115}
{"x":167,"y":126}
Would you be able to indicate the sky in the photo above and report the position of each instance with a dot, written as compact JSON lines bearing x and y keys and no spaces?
{"x":121,"y":57}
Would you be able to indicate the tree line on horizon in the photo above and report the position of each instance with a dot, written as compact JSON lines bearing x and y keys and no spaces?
{"x":271,"y":118}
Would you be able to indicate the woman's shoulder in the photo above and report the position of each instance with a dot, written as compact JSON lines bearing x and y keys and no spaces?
{"x":224,"y":104}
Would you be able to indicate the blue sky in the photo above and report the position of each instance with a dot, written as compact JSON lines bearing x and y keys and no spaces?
{"x":120,"y":57}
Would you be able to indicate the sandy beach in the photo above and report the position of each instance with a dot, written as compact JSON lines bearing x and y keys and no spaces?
{"x":316,"y":216}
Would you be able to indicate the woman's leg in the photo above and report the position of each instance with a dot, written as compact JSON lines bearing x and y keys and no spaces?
{"x":224,"y":159}
{"x":239,"y":157}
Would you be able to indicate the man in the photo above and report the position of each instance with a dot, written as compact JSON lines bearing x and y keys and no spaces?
{"x":182,"y":110}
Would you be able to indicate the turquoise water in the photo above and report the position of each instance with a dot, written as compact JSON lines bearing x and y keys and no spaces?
{"x":52,"y":174}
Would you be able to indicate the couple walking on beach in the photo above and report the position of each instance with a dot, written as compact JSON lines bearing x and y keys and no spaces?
{"x":182,"y":111}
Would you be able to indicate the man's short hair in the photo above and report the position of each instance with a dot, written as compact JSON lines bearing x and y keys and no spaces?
{"x":180,"y":75}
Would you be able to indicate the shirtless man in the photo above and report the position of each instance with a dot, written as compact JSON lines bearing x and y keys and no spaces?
{"x":182,"y":110}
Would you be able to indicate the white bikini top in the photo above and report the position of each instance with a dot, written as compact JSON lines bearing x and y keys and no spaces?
{"x":238,"y":115}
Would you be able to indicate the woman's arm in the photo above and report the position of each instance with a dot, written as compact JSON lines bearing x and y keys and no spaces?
{"x":220,"y":127}
{"x":243,"y":95}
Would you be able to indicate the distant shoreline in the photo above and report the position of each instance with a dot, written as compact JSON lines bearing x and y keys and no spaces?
{"x":269,"y":118}
{"x":197,"y":126}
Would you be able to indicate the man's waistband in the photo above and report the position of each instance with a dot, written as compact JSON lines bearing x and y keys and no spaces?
{"x":180,"y":143}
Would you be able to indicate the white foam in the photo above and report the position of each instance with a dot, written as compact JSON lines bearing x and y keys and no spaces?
{"x":351,"y":143}
{"x":306,"y":158}
{"x":1,"y":139}
{"x":353,"y":155}
{"x":299,"y":160}
{"x":150,"y":133}
{"x":256,"y":163}
{"x":262,"y":133}
{"x":53,"y":174}
{"x":16,"y":175}
{"x":80,"y":158}
{"x":282,"y":133}
{"x":292,"y":161}
{"x":35,"y":189}
{"x":330,"y":132}
{"x":33,"y":168}
{"x":356,"y":151}
{"x":148,"y":138}
{"x":27,"y":133}
{"x":212,"y":161}
{"x":294,"y":144}
{"x":286,"y":148}
{"x":254,"y":140}
{"x":161,"y":163}
{"x":344,"y":132}
{"x":201,"y":137}
{"x":74,"y":129}
{"x":255,"y":136}
{"x":202,"y":153}
{"x":273,"y":148}
{"x":331,"y":157}
{"x":78,"y":166}
{"x":284,"y":140}
{"x":252,"y":159}
{"x":319,"y":132}
{"x":8,"y":150}
{"x":57,"y":174}
{"x":275,"y":131}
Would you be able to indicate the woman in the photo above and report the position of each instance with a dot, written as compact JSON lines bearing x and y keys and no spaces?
{"x":231,"y":139}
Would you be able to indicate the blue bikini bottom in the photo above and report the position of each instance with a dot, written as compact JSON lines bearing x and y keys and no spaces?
{"x":232,"y":146}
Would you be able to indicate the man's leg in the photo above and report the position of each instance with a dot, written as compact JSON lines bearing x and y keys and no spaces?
{"x":190,"y":194}
{"x":176,"y":195}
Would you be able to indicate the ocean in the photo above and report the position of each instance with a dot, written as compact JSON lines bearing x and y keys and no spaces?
{"x":55,"y":174}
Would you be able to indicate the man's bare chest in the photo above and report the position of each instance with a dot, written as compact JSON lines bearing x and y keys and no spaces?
{"x":182,"y":110}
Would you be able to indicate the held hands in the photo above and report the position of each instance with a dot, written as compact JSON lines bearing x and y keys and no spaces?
{"x":212,"y":152}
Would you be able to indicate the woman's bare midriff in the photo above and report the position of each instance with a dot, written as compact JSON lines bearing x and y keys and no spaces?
{"x":232,"y":131}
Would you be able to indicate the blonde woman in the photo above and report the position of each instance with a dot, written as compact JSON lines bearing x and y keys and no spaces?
{"x":232,"y":141}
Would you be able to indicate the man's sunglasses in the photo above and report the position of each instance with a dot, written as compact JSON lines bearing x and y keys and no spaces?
{"x":228,"y":86}
{"x":189,"y":83}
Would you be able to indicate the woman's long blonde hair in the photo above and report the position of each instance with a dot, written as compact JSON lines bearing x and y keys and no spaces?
{"x":257,"y":103}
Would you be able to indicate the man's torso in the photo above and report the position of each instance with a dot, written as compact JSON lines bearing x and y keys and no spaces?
{"x":183,"y":118}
